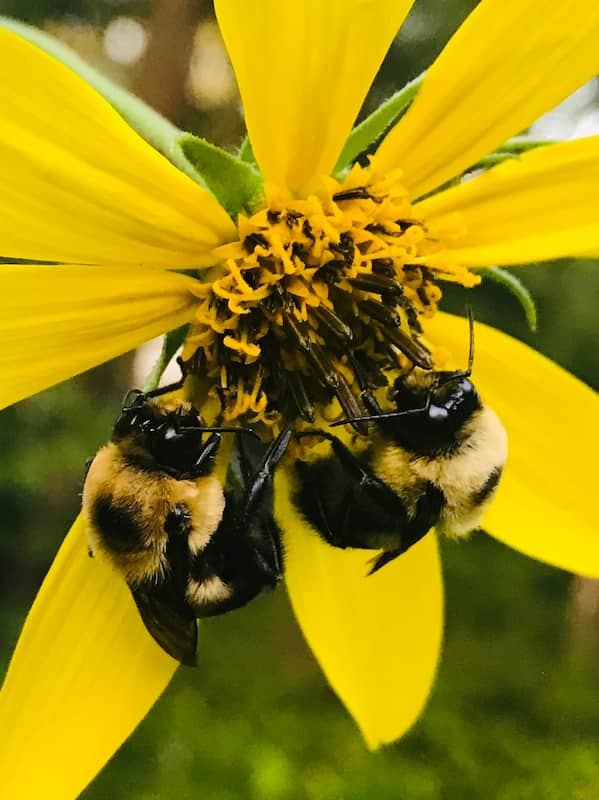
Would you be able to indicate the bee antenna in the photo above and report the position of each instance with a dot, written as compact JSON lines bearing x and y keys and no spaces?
{"x":468,"y":373}
{"x":386,"y":415}
{"x":452,"y":376}
{"x":220,"y":429}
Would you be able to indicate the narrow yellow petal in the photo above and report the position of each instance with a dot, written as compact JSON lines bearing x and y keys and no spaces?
{"x":83,"y":676}
{"x":377,"y":638}
{"x":542,"y":205}
{"x":80,"y":185}
{"x":57,"y":321}
{"x":545,"y":504}
{"x":303,"y":72}
{"x":510,"y":61}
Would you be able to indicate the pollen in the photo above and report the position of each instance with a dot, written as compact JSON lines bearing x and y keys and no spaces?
{"x":319,"y":300}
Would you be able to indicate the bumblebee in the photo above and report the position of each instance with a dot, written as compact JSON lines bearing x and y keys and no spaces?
{"x":187,"y":546}
{"x":434,"y":461}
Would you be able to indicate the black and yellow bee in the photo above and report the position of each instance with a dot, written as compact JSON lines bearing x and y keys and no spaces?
{"x":434,"y":461}
{"x":187,"y":546}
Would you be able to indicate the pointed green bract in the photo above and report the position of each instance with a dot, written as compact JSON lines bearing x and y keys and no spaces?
{"x":170,"y":344}
{"x":246,"y":152}
{"x":521,"y":144}
{"x":375,"y":125}
{"x":236,"y":184}
{"x":517,"y":288}
{"x":511,"y":149}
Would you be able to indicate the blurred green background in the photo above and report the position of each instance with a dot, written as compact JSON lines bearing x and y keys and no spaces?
{"x":515,"y":711}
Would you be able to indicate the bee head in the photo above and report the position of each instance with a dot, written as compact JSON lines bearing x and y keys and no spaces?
{"x":170,"y":436}
{"x":432,"y":410}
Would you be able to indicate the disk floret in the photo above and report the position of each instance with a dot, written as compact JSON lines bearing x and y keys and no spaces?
{"x":318,"y":299}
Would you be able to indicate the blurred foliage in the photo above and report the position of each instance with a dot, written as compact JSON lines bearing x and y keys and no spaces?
{"x":37,"y":12}
{"x":515,"y":711}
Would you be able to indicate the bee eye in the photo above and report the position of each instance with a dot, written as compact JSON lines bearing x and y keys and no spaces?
{"x":437,"y":414}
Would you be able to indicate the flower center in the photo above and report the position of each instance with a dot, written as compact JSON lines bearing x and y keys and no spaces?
{"x":319,"y":299}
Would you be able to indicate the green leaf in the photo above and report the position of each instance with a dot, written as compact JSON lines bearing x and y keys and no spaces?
{"x":516,"y":287}
{"x":170,"y":344}
{"x":236,"y":184}
{"x":520,"y":144}
{"x":510,"y":150}
{"x":486,"y":162}
{"x":374,"y":126}
{"x":246,"y":153}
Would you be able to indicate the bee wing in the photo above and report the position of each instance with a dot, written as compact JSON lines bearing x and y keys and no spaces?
{"x":172,"y":624}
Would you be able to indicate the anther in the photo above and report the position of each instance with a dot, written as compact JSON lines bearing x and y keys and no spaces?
{"x":334,"y":380}
{"x":379,"y":284}
{"x":383,"y":266}
{"x":300,"y":397}
{"x":299,"y":250}
{"x":297,"y":331}
{"x":307,"y":231}
{"x":411,"y":313}
{"x":357,"y":193}
{"x":345,"y":246}
{"x":380,"y":312}
{"x":292,"y":217}
{"x":332,"y":272}
{"x":413,"y":349}
{"x":332,"y":323}
{"x":254,"y":240}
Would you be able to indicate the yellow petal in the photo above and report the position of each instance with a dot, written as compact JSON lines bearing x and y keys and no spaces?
{"x":57,"y":321}
{"x":377,"y":638}
{"x":84,"y":674}
{"x":541,"y":205}
{"x":80,"y":185}
{"x":510,"y":61}
{"x":303,"y":71}
{"x":545,"y":505}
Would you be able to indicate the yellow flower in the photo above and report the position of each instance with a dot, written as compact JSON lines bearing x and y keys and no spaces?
{"x":82,"y":191}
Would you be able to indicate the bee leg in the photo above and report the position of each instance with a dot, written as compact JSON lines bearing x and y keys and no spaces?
{"x":352,"y":507}
{"x":263,"y":474}
{"x":348,"y":504}
{"x":204,"y":463}
{"x":428,"y":510}
{"x":253,"y":510}
{"x":269,"y":557}
{"x":255,"y":505}
{"x":383,"y":559}
{"x":245,"y":464}
{"x":171,"y":387}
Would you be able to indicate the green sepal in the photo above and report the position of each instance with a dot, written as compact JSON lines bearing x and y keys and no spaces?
{"x":516,"y":287}
{"x":246,"y":153}
{"x":374,"y":126}
{"x":171,"y":342}
{"x":520,"y":144}
{"x":236,"y":184}
{"x":510,"y":150}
